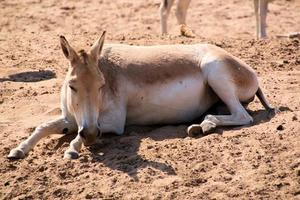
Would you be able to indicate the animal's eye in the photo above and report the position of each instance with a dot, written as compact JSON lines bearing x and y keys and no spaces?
{"x":72,"y":88}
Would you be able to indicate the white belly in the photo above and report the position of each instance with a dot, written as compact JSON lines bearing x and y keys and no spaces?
{"x":173,"y":102}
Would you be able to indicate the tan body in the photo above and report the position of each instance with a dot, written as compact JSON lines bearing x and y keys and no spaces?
{"x":141,"y":85}
{"x":169,"y":84}
{"x":260,"y":9}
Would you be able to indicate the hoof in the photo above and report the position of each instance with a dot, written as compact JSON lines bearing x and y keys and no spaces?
{"x":70,"y":155}
{"x":16,"y":154}
{"x":194,"y":130}
{"x":208,"y":127}
{"x":186,"y":31}
{"x":272,"y":112}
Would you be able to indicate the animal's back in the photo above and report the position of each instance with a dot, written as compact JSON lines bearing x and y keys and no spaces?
{"x":152,"y":64}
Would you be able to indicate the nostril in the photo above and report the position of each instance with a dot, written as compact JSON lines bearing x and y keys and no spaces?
{"x":99,"y":133}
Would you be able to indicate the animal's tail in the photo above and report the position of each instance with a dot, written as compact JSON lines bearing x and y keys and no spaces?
{"x":265,"y":103}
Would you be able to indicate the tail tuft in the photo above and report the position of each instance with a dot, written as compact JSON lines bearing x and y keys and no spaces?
{"x":271,"y":111}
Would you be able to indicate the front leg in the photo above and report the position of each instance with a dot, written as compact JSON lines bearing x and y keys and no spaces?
{"x":111,"y":121}
{"x":109,"y":124}
{"x":57,"y":126}
{"x":73,"y":151}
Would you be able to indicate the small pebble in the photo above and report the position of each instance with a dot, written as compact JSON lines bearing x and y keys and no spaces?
{"x":280,"y":127}
{"x":45,"y":92}
{"x":88,"y":196}
{"x":42,"y":168}
{"x":294,"y":118}
{"x":84,"y":159}
{"x":62,"y":174}
{"x":285,"y":61}
{"x":149,"y":146}
{"x":100,"y":154}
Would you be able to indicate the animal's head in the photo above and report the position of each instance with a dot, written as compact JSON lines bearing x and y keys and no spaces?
{"x":84,"y":88}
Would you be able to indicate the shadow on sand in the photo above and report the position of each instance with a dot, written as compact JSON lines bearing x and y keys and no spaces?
{"x":32,"y":76}
{"x":122,"y":152}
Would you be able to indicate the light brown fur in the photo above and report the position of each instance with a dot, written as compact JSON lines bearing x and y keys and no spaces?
{"x":105,"y":90}
{"x":147,"y":67}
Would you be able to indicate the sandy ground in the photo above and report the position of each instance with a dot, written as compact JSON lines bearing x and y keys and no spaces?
{"x":253,"y":162}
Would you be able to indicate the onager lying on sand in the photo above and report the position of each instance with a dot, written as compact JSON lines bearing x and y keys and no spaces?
{"x":141,"y":85}
{"x":260,"y":9}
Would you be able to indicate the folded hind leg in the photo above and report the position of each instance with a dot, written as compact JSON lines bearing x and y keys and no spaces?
{"x":238,"y":115}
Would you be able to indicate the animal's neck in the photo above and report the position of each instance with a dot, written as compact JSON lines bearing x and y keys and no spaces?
{"x":110,"y":74}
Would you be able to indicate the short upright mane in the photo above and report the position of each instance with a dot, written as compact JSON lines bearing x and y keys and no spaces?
{"x":83,"y":56}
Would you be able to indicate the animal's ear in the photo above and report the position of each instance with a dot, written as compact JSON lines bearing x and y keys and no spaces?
{"x":68,"y":51}
{"x":97,"y":47}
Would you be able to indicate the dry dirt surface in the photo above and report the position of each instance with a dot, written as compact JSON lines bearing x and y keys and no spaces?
{"x":261,"y":161}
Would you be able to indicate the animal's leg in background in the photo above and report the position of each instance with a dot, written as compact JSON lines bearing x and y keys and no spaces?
{"x":256,"y":17}
{"x":261,"y":10}
{"x":181,"y":12}
{"x":263,"y":17}
{"x":73,"y":151}
{"x":165,"y":8}
{"x":58,"y":126}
